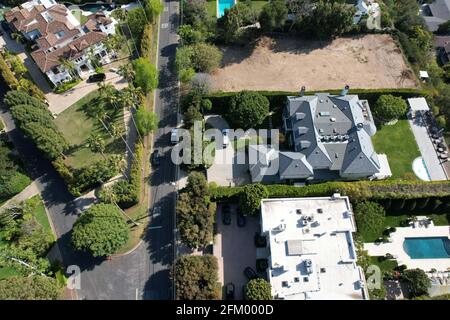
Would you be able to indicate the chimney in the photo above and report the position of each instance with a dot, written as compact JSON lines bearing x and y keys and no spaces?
{"x":302,"y":91}
{"x":345,"y":90}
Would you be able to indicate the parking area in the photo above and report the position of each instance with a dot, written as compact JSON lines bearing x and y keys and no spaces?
{"x":235,"y":249}
{"x":227,"y":168}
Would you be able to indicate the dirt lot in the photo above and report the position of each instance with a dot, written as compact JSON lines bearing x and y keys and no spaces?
{"x":370,"y":61}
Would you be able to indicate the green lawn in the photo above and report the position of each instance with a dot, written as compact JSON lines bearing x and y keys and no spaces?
{"x":212,"y":11}
{"x":76,"y":126}
{"x":398,"y":143}
{"x":384,"y":265}
{"x":391,"y":220}
{"x":79,"y":16}
{"x":41,"y":216}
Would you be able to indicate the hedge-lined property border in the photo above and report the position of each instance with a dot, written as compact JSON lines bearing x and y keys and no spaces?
{"x":359,"y":190}
{"x":220,"y":100}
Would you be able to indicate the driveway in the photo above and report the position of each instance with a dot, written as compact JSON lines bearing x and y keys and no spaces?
{"x":60,"y":102}
{"x":35,"y":73}
{"x":229,"y":167}
{"x":235,"y":250}
{"x":429,"y":155}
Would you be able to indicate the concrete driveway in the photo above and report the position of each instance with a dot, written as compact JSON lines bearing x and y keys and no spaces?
{"x":60,"y":102}
{"x":235,"y":250}
{"x":429,"y":155}
{"x":226,"y":169}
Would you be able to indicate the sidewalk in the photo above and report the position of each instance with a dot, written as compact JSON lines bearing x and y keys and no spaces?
{"x":26,"y":193}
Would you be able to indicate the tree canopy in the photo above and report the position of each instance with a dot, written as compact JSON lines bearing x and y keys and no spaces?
{"x":146,"y":121}
{"x":330,"y":19}
{"x":369,"y":217}
{"x":248,"y":109}
{"x":153,"y":8}
{"x":101,"y":230}
{"x":389,"y":107}
{"x":146,"y":75}
{"x":273,"y":15}
{"x":258,"y":289}
{"x":418,"y":281}
{"x":196,"y":278}
{"x":250,"y":197}
{"x":195,"y":212}
{"x":30,"y":288}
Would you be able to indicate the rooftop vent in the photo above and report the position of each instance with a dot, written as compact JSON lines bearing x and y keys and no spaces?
{"x":298,"y":211}
{"x":333,"y":119}
{"x":324,"y":114}
{"x":305,"y":144}
{"x":344,"y":91}
{"x":319,"y":210}
{"x":302,"y":91}
{"x":302,"y":130}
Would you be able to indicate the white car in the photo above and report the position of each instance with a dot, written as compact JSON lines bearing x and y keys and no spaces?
{"x":174,"y":136}
{"x":115,"y":70}
{"x":225,"y":137}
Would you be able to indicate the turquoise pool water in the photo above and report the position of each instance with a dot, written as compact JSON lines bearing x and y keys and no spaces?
{"x":224,"y":4}
{"x":427,"y":248}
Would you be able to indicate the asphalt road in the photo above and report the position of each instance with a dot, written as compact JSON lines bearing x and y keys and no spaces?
{"x":144,"y":273}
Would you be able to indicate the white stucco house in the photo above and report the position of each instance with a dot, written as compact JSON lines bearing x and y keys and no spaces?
{"x":366,"y":8}
{"x":59,"y":37}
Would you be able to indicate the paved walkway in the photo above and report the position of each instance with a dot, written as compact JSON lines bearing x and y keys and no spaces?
{"x":26,"y":193}
{"x":432,"y":162}
{"x":60,"y":102}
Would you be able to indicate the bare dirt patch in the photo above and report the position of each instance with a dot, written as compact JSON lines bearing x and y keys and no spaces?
{"x":370,"y":61}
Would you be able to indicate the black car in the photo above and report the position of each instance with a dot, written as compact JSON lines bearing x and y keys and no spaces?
{"x":156,"y":158}
{"x":229,"y":291}
{"x":241,"y":220}
{"x":97,"y":77}
{"x":250,"y":273}
{"x":226,"y":214}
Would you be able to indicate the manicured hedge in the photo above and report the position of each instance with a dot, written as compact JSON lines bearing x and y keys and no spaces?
{"x":360,"y":190}
{"x":7,"y":74}
{"x":136,"y":173}
{"x":221,"y":100}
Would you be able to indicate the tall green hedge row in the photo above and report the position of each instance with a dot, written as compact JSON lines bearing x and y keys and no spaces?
{"x":360,"y":190}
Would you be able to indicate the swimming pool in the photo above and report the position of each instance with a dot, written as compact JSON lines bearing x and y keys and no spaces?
{"x":427,"y":248}
{"x":224,"y":4}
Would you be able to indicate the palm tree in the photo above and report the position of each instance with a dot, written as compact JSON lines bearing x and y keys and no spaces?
{"x":96,"y":143}
{"x":117,"y":130}
{"x":69,"y":65}
{"x":107,"y":91}
{"x":127,"y":71}
{"x":92,"y":59}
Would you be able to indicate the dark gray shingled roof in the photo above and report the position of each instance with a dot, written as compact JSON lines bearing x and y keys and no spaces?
{"x":332,"y":132}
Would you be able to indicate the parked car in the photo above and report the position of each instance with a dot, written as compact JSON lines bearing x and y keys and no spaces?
{"x":229,"y":291}
{"x":226,"y":214}
{"x":250,"y":273}
{"x":97,"y":77}
{"x":225,"y":137}
{"x":156,"y":158}
{"x":174,"y":139}
{"x":241,"y":219}
{"x":115,"y":70}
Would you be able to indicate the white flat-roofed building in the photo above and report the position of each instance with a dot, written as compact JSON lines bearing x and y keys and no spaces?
{"x":312,"y":253}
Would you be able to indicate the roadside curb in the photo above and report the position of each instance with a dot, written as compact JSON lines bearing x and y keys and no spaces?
{"x":118,"y":255}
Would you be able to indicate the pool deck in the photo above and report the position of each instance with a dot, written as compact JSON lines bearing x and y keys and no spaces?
{"x":395,"y":247}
